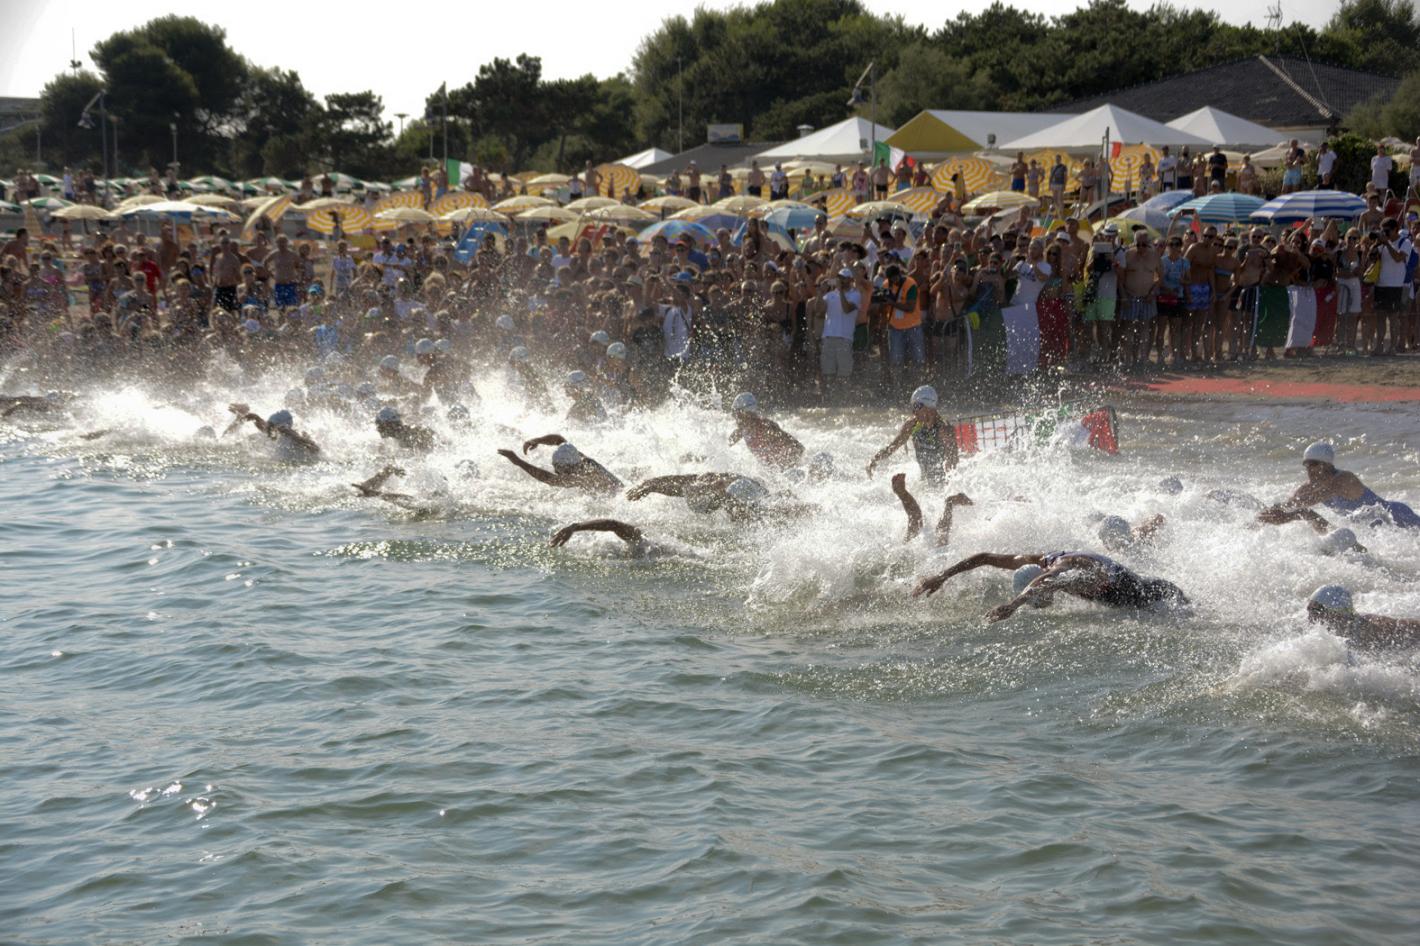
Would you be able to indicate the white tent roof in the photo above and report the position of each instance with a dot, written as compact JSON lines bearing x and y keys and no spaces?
{"x":979,"y":126}
{"x":849,"y":140}
{"x":642,"y":158}
{"x":1088,"y":131}
{"x":1221,"y":128}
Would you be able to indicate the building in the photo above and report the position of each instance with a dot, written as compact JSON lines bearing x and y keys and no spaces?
{"x":936,"y":133}
{"x":1296,"y":97}
{"x":709,"y":156}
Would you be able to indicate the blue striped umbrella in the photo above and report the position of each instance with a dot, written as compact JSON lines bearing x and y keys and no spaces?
{"x":1168,"y":200}
{"x":799,"y":219}
{"x":673,"y":230}
{"x":1303,"y":205}
{"x":1221,"y":208}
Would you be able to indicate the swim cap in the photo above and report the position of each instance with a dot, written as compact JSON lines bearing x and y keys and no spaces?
{"x":389,"y":363}
{"x":373,"y":312}
{"x":1171,"y":485}
{"x":295,"y":396}
{"x":205,"y":433}
{"x":425,"y":346}
{"x":519,"y":354}
{"x":314,"y":376}
{"x":53,"y":397}
{"x":746,"y":490}
{"x":616,"y":350}
{"x":281,"y":419}
{"x":576,"y":379}
{"x":387,"y":415}
{"x":1342,"y":540}
{"x":366,"y":389}
{"x":505,"y":322}
{"x":1332,"y":598}
{"x":821,"y":466}
{"x":1321,"y":453}
{"x":566,"y":457}
{"x":458,"y":412}
{"x":925,"y":396}
{"x":1114,"y":532}
{"x":747,"y":403}
{"x":443,"y":345}
{"x":1023,"y":576}
{"x":344,"y":391}
{"x":600,"y":338}
{"x":252,"y":326}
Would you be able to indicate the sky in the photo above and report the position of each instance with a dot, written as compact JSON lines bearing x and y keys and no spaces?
{"x":404,"y":53}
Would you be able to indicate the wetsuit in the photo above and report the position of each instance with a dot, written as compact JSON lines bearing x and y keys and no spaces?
{"x":1123,"y":588}
{"x":931,"y":454}
{"x":1399,"y":513}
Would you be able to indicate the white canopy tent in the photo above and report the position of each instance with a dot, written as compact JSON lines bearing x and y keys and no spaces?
{"x":1221,"y":128}
{"x":642,"y":158}
{"x":849,"y":140}
{"x":1088,"y":131}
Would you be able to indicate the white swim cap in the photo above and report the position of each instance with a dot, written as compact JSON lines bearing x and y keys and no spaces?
{"x":205,"y":433}
{"x":53,"y":397}
{"x":576,"y":379}
{"x":616,"y":350}
{"x":387,"y":415}
{"x":373,"y":312}
{"x":252,"y":326}
{"x":389,"y":363}
{"x":458,"y":412}
{"x":821,"y":465}
{"x":314,"y":376}
{"x":1023,"y":576}
{"x":505,"y":322}
{"x":295,"y":396}
{"x":1332,"y":598}
{"x":746,"y":402}
{"x":519,"y":354}
{"x":600,"y":338}
{"x":281,"y":418}
{"x":1114,"y":532}
{"x":566,"y":457}
{"x":925,"y":396}
{"x":443,"y":346}
{"x":1171,"y":485}
{"x":366,"y":389}
{"x":425,"y":346}
{"x":1342,"y":540}
{"x":746,"y":490}
{"x":1321,"y":453}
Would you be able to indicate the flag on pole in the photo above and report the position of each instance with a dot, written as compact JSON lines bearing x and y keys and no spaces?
{"x":458,"y":171}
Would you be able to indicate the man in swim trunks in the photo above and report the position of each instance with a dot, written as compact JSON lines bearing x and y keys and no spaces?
{"x":764,"y":438}
{"x":1085,"y":575}
{"x":1202,"y":258}
{"x":570,"y":469}
{"x":1340,"y":491}
{"x":933,"y":439}
{"x":285,"y":266}
{"x":1332,"y":606}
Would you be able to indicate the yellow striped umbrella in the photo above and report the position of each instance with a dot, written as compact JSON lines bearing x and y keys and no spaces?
{"x":1046,"y":159}
{"x":549,"y":214}
{"x":998,"y":200}
{"x":1125,"y":166}
{"x":784,"y":204}
{"x":620,"y":214}
{"x":667,"y":203}
{"x":620,"y":177}
{"x":270,"y":209}
{"x":353,"y":219}
{"x":546,"y":182}
{"x":739,"y":205}
{"x":515,"y":205}
{"x":920,"y":199}
{"x":878,"y":208}
{"x":583,"y":204}
{"x":977,"y":173}
{"x":474,"y":215}
{"x":393,"y":201}
{"x":403,"y":215}
{"x":318,"y":204}
{"x":836,"y":202}
{"x":456,"y":200}
{"x":698,"y":212}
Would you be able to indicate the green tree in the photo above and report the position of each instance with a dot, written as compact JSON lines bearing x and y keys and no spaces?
{"x":62,"y":104}
{"x":146,"y":90}
{"x":1373,"y":35}
{"x":353,"y":134}
{"x":1398,"y":114}
{"x":926,"y":77}
{"x":275,"y":105}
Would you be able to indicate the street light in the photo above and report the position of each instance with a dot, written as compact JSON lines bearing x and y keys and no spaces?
{"x":401,"y":116}
{"x":172,"y":126}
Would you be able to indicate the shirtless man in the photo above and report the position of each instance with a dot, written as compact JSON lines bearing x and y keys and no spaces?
{"x":1340,"y":491}
{"x":1138,"y":294}
{"x":692,"y":177}
{"x":1034,"y":175}
{"x":225,"y":264}
{"x":570,"y":469}
{"x":1332,"y":606}
{"x":1243,"y":296}
{"x":1094,"y":578}
{"x":284,"y":265}
{"x":1198,"y":289}
{"x":764,"y":438}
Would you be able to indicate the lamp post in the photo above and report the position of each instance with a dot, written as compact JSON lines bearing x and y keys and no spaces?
{"x":172,"y":126}
{"x":401,"y":116}
{"x":680,"y":103}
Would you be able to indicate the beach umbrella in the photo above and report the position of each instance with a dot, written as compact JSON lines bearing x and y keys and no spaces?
{"x":342,"y":181}
{"x":353,"y":219}
{"x":798,"y":219}
{"x":138,"y":200}
{"x":783,"y":203}
{"x":320,"y":203}
{"x":880,"y":208}
{"x":9,"y":208}
{"x":700,"y":211}
{"x":549,"y":214}
{"x":80,"y":212}
{"x":1168,"y":200}
{"x":619,"y":178}
{"x":404,"y":215}
{"x":920,"y":200}
{"x":738,"y":205}
{"x":1303,"y":205}
{"x":1124,"y":167}
{"x":474,"y":215}
{"x":1151,"y":217}
{"x":835,"y":202}
{"x":247,"y":203}
{"x":1127,"y":226}
{"x":213,"y":200}
{"x":1221,"y":208}
{"x":710,"y":218}
{"x":48,"y":203}
{"x":266,"y":184}
{"x":457,"y":200}
{"x":379,"y":187}
{"x":408,"y":199}
{"x":270,"y":208}
{"x":667,"y":203}
{"x":620,"y":213}
{"x":845,"y":228}
{"x":977,"y":173}
{"x":584,"y":204}
{"x":48,"y":180}
{"x":673,"y":230}
{"x":547,"y":182}
{"x":998,"y":200}
{"x":406,"y":183}
{"x":515,"y":205}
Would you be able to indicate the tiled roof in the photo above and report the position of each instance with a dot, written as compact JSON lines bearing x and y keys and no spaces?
{"x":1277,"y":91}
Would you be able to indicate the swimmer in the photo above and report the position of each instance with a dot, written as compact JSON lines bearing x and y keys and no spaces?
{"x":520,"y":361}
{"x":1231,"y":497}
{"x":278,"y":425}
{"x":392,"y":427}
{"x":764,"y":438}
{"x":444,"y":375}
{"x":1341,"y":542}
{"x":1332,"y":606}
{"x":14,"y":404}
{"x":914,"y":511}
{"x":570,"y":468}
{"x":1116,"y":534}
{"x":390,"y":380}
{"x":1339,"y":491}
{"x":586,"y":406}
{"x":933,"y":439}
{"x":742,"y":497}
{"x":636,"y":542}
{"x":1092,"y":577}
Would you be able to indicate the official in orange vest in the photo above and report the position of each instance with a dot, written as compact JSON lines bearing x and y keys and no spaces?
{"x":904,"y":319}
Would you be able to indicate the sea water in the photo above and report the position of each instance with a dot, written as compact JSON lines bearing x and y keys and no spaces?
{"x":240,"y":705}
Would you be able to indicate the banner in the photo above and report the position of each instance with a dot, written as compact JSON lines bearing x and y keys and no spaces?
{"x":1302,"y":300}
{"x":1022,"y":339}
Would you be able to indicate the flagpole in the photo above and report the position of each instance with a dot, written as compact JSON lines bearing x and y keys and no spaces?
{"x":446,"y":127}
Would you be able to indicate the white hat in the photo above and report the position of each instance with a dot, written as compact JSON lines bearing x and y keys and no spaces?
{"x":387,"y":415}
{"x":389,"y":363}
{"x":566,"y":456}
{"x":252,"y":326}
{"x":443,"y":345}
{"x":746,"y":402}
{"x":458,"y":412}
{"x":746,"y":490}
{"x":1339,"y":541}
{"x":314,"y":376}
{"x":576,"y":378}
{"x":505,"y":322}
{"x":366,"y":389}
{"x":520,"y":353}
{"x":1333,"y":598}
{"x":1023,"y":576}
{"x":281,"y":418}
{"x":600,"y":338}
{"x":1321,"y":453}
{"x":425,"y":346}
{"x":1114,"y":532}
{"x":373,"y":312}
{"x":616,"y":350}
{"x":925,"y":396}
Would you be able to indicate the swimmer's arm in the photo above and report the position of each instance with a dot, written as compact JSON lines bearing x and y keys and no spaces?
{"x":736,"y":434}
{"x":546,"y":440}
{"x":909,"y":506}
{"x":1377,"y":631}
{"x":930,"y":585}
{"x":96,"y":434}
{"x":1039,"y":592}
{"x":1281,"y":515}
{"x":371,"y":486}
{"x":887,"y":451}
{"x":622,"y":530}
{"x":301,"y":439}
{"x":944,"y":524}
{"x":1149,"y":527}
{"x":542,"y":476}
{"x":665,"y":485}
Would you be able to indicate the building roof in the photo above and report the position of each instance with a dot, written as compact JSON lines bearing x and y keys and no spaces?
{"x":1277,"y":91}
{"x":1089,"y":130}
{"x":642,"y":159}
{"x":849,"y":140}
{"x":946,"y":131}
{"x":709,"y":156}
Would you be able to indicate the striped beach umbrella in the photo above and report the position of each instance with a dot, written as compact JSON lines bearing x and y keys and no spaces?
{"x":353,"y":219}
{"x":584,"y":204}
{"x":48,"y":203}
{"x":410,"y":199}
{"x":620,"y":213}
{"x":879,"y":208}
{"x":739,"y":205}
{"x":621,"y":179}
{"x":836,"y":202}
{"x":320,"y":203}
{"x":1221,"y":208}
{"x":516,"y":205}
{"x":1168,"y":200}
{"x":457,"y":200}
{"x":998,"y":200}
{"x":668,"y":203}
{"x":799,"y":219}
{"x":475,"y":215}
{"x":1150,"y":217}
{"x":76,"y":212}
{"x":978,"y":174}
{"x":710,"y":218}
{"x":1125,"y":166}
{"x":921,"y":200}
{"x":673,"y":230}
{"x":269,"y":209}
{"x":546,"y":214}
{"x":1303,"y":205}
{"x":404,"y":215}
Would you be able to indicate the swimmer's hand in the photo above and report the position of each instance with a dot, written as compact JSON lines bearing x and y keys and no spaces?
{"x":959,"y":499}
{"x":238,"y":408}
{"x":1276,"y":516}
{"x":560,"y":537}
{"x":508,"y":455}
{"x":1000,"y":613}
{"x":929,"y":586}
{"x":638,"y":492}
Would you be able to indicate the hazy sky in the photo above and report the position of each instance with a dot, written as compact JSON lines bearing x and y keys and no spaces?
{"x":403,"y":51}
